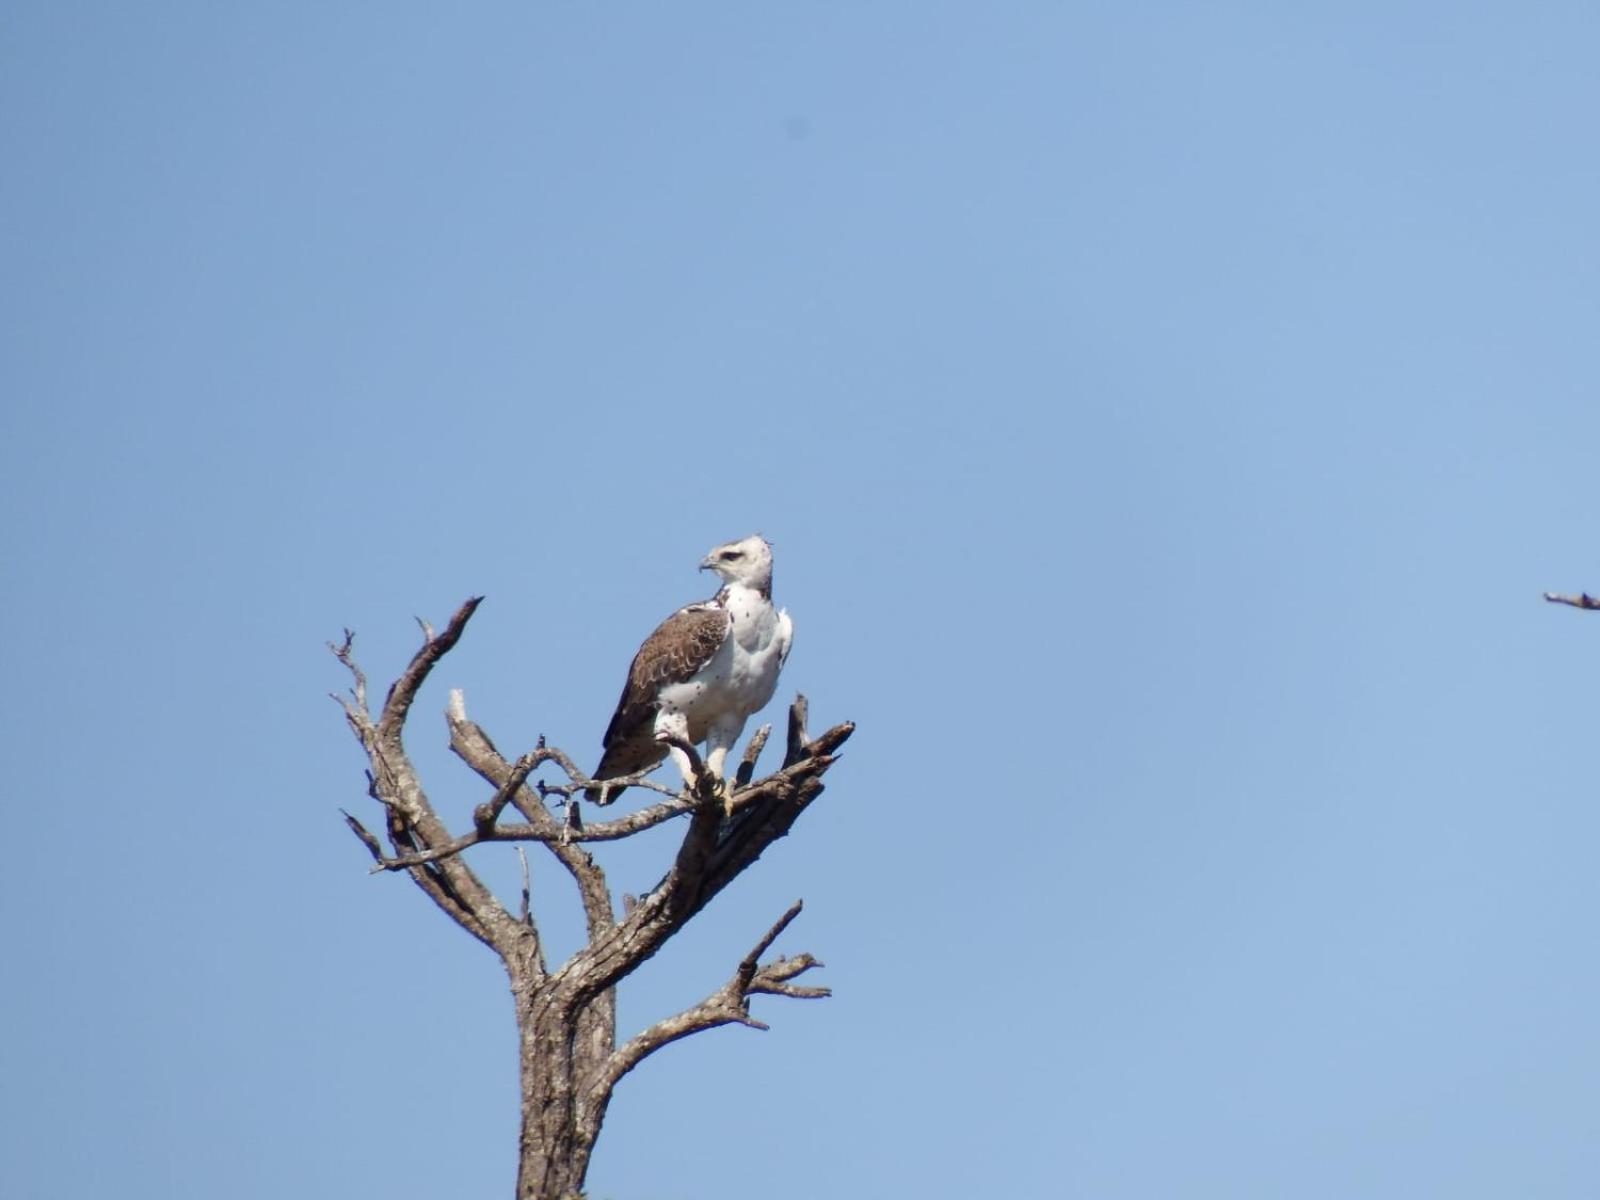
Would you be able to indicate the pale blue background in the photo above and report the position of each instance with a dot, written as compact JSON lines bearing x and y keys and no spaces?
{"x":1166,"y":415}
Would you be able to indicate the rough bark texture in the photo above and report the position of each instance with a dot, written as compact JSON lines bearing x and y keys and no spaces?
{"x":566,"y":1018}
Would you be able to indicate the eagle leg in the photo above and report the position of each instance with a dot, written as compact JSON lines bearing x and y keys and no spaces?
{"x":686,"y":766}
{"x":719,"y":740}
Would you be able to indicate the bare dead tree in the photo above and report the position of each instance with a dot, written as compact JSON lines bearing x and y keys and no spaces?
{"x":566,"y":1017}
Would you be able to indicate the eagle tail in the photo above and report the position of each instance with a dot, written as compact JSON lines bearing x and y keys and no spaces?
{"x":614,"y":763}
{"x":603,"y":796}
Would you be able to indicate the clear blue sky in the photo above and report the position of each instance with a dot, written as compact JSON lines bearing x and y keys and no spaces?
{"x":1167,"y":417}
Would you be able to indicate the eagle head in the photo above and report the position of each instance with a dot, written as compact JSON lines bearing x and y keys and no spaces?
{"x":747,"y":561}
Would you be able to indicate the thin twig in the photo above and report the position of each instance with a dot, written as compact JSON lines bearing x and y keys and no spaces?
{"x":343,"y":653}
{"x":487,"y":813}
{"x":747,"y":968}
{"x":371,"y":843}
{"x":1581,"y":600}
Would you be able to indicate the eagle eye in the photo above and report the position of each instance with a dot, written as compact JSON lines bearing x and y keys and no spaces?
{"x":729,"y":555}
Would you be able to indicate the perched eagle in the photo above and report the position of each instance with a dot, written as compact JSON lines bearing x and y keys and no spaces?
{"x":701,"y":674}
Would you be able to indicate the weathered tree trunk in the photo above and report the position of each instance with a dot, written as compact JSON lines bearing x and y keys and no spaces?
{"x":553,"y":1157}
{"x":566,"y":1018}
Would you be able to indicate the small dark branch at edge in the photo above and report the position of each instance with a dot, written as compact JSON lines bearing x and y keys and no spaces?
{"x":1581,"y":600}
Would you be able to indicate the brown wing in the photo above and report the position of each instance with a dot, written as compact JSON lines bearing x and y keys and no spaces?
{"x":680,"y":646}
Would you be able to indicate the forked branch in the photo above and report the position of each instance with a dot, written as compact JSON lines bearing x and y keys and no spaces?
{"x":728,"y":1005}
{"x":413,"y":826}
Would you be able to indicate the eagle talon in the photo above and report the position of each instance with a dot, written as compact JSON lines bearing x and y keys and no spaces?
{"x":712,"y":789}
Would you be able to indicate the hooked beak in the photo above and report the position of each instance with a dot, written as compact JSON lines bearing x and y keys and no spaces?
{"x":707,"y":564}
